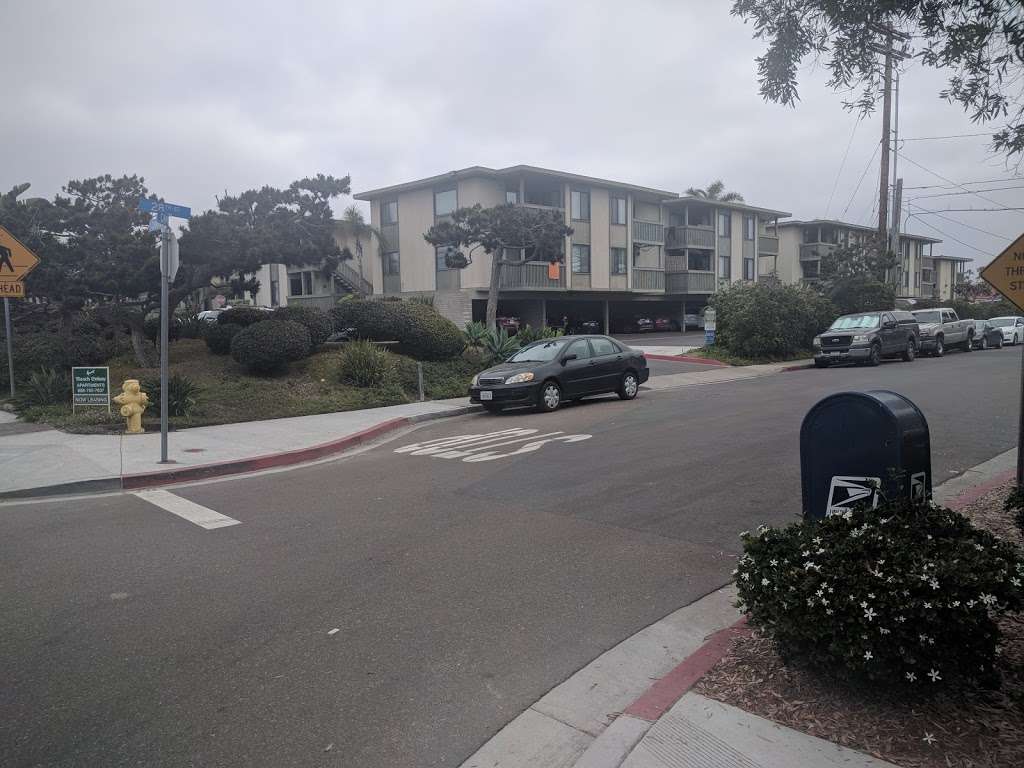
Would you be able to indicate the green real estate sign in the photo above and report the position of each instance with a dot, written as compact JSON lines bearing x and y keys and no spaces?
{"x":90,"y":386}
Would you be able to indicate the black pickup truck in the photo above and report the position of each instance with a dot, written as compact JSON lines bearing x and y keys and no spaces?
{"x":867,"y":337}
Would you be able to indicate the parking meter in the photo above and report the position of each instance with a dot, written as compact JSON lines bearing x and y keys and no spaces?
{"x":863,"y":448}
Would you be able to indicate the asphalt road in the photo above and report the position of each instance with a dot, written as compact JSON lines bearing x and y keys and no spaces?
{"x":461,"y":591}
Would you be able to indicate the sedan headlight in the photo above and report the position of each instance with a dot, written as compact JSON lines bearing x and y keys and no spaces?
{"x":860,"y":338}
{"x":519,"y":378}
{"x":475,"y":381}
{"x":817,"y":341}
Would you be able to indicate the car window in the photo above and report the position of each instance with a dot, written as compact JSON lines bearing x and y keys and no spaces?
{"x":848,"y":322}
{"x":1002,"y":322}
{"x":580,"y":348}
{"x":604,"y":347}
{"x":947,"y":317}
{"x":928,"y":316}
{"x":541,"y":352}
{"x":887,"y":318}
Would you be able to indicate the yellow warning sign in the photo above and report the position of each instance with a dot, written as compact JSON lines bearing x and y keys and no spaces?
{"x":1006,"y":273}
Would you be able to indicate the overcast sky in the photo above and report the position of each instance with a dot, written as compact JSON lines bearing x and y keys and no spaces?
{"x":202,"y":97}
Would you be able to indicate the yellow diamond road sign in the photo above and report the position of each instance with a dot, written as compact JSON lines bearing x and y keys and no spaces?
{"x":1006,"y":273}
{"x":16,"y":261}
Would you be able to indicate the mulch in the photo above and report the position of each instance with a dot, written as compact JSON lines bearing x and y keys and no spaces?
{"x":969,"y":728}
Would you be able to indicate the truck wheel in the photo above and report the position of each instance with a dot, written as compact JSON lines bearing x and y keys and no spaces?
{"x":910,"y":352}
{"x":876,"y":355}
{"x":940,"y":347}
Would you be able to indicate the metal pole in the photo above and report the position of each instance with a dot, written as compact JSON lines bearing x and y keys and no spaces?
{"x":883,"y":185}
{"x":165,"y":259}
{"x":1020,"y":427}
{"x":419,"y":375}
{"x":10,"y":342}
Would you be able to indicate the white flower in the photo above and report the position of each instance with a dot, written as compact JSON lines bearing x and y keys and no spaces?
{"x":971,"y":603}
{"x":868,"y":656}
{"x":864,"y":605}
{"x":870,"y":614}
{"x":764,"y":582}
{"x":774,"y":563}
{"x":1015,"y":581}
{"x":746,"y":577}
{"x":979,"y":547}
{"x":810,"y":602}
{"x":829,"y":611}
{"x":923,"y":638}
{"x":901,"y":619}
{"x":735,"y":571}
{"x":911,"y":677}
{"x":744,"y":533}
{"x":883,"y":630}
{"x":928,"y":605}
{"x":816,"y":539}
{"x":805,"y":553}
{"x":824,"y":601}
{"x":929,"y":739}
{"x":956,"y":604}
{"x":934,"y":675}
{"x":988,"y":599}
{"x":871,"y":595}
{"x":933,"y":584}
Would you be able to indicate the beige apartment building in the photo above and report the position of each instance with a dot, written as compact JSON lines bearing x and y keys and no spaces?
{"x":634,"y":250}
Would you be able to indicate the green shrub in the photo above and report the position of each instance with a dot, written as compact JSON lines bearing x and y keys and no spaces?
{"x":218,"y":337}
{"x":190,"y":326}
{"x":364,"y":364}
{"x":151,"y":328}
{"x":421,"y":331}
{"x":316,"y":321}
{"x":32,"y":352}
{"x":760,"y":320}
{"x":243,"y":316}
{"x":266,"y":348}
{"x":860,"y":294}
{"x":904,"y":596}
{"x":476,"y":334}
{"x":183,"y":394}
{"x":499,"y":346}
{"x":45,"y":386}
{"x":1015,"y":506}
{"x":528,"y":334}
{"x":425,"y":300}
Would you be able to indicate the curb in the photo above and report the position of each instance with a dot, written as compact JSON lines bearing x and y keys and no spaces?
{"x":977,"y":491}
{"x":689,"y":359}
{"x":803,"y":367}
{"x":233,"y":466}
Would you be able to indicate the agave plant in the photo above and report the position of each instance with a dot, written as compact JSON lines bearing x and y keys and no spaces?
{"x":46,"y":386}
{"x":498,"y":346}
{"x":528,"y":334}
{"x":476,"y":334}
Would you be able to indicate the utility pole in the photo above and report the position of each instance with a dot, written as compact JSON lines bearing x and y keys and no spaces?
{"x":883,"y":184}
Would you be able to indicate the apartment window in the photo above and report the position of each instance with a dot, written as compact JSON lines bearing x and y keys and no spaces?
{"x":699,"y":260}
{"x":445,"y":201}
{"x":748,"y":269}
{"x":618,"y":211}
{"x":580,"y":202}
{"x":749,"y":225}
{"x":724,"y":224}
{"x":581,"y":259}
{"x":811,"y":268}
{"x":512,"y":195}
{"x":392,"y":263}
{"x":927,"y":276}
{"x":618,"y":261}
{"x":300,"y":284}
{"x":724,"y":267}
{"x":389,"y":212}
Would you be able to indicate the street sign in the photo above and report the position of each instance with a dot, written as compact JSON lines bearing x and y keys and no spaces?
{"x":16,"y":261}
{"x":167,"y":209}
{"x":1006,"y":273}
{"x":90,"y":386}
{"x":12,"y":290}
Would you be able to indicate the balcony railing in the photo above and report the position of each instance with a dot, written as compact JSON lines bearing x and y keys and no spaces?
{"x":814,"y":251}
{"x":529,"y":275}
{"x":675,"y":262}
{"x":648,"y":231}
{"x":648,"y":280}
{"x":690,"y":282}
{"x":690,"y":237}
{"x":768,"y":244}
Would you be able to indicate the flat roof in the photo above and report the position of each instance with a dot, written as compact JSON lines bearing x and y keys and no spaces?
{"x":480,"y":170}
{"x":723,"y":204}
{"x":848,"y":225}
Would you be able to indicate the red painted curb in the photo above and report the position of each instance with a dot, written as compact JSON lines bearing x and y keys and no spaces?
{"x":798,"y":367}
{"x":687,"y":359}
{"x":654,"y":702}
{"x":237,"y":466}
{"x":974,"y":493}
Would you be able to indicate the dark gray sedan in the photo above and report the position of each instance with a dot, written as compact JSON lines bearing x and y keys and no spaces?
{"x":548,"y":372}
{"x":986,"y":335}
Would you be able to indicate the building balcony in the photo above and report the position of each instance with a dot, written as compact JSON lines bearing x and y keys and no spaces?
{"x":530,"y":276}
{"x":814,"y":251}
{"x":648,"y":280}
{"x":648,"y":231}
{"x":768,"y":244}
{"x":690,"y":282}
{"x":690,"y":237}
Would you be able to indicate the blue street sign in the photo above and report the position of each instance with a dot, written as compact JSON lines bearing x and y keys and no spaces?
{"x":168,"y":209}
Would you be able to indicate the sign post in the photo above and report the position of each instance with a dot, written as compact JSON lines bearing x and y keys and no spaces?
{"x":1006,"y":275}
{"x":90,"y":386}
{"x":161,"y":213}
{"x":10,"y":345}
{"x":16,"y":261}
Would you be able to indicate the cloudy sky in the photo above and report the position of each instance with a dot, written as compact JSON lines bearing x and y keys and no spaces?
{"x":203,"y":97}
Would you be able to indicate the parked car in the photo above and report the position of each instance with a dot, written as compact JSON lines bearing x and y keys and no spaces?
{"x":987,"y":335}
{"x":635,"y":324}
{"x":548,"y":372}
{"x":1012,"y":328}
{"x":942,"y":329}
{"x":665,"y":324}
{"x":693,"y":321}
{"x":510,"y":324}
{"x":209,"y":315}
{"x":867,"y":337}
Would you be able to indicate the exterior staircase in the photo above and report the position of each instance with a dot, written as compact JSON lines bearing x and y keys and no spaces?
{"x":455,"y":305}
{"x":352,"y":280}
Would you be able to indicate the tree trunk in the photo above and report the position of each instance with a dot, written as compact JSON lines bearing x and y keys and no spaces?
{"x":492,"y":292}
{"x":139,"y":346}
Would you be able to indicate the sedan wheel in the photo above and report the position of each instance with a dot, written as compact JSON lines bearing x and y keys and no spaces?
{"x":630,"y":386}
{"x":984,"y":343}
{"x":999,"y":342}
{"x":910,"y":352}
{"x":550,"y":397}
{"x":876,"y":355}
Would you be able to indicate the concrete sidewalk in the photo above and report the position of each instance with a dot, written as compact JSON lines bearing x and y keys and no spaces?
{"x":48,"y":462}
{"x":720,"y":374}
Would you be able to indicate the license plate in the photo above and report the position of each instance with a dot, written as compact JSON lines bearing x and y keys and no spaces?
{"x":486,"y":395}
{"x":834,"y":354}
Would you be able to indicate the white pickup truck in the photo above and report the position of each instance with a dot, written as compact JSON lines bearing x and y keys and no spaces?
{"x":941,"y":329}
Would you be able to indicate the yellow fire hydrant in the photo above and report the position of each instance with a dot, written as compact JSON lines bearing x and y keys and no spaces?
{"x":133,"y":402}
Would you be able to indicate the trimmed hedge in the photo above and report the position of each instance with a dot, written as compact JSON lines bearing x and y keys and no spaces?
{"x":218,"y":337}
{"x":243,"y":316}
{"x":422,"y":332}
{"x":38,"y":351}
{"x":266,"y":348}
{"x":768,"y":320}
{"x":316,"y":321}
{"x":363,"y":364}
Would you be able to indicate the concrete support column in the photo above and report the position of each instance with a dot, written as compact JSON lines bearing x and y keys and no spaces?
{"x":544,"y":311}
{"x":607,"y":327}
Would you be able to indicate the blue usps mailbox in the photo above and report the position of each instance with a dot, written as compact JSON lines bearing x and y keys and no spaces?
{"x":862,"y":448}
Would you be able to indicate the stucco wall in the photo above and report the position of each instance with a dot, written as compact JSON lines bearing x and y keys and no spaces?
{"x":415,"y":217}
{"x":599,"y":222}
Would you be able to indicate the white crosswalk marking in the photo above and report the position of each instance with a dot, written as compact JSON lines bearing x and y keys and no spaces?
{"x":188,"y":510}
{"x":477,"y":448}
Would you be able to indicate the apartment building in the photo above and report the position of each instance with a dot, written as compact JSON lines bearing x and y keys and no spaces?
{"x":633,"y":250}
{"x":919,"y":274}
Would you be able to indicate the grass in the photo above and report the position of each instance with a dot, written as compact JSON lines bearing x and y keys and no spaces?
{"x":229,"y":394}
{"x":723,"y":355}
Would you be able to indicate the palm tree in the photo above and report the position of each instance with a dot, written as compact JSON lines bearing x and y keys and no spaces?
{"x":357,"y":227}
{"x":714,"y":191}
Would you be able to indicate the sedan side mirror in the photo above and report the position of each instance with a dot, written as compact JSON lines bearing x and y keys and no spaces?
{"x":889,"y":325}
{"x":570,"y":356}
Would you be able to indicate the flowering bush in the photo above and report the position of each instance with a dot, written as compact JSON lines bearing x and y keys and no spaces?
{"x":903,"y":595}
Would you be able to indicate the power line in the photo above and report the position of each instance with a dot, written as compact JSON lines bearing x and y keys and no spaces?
{"x":965,"y":183}
{"x":842,"y":165}
{"x":951,"y":136}
{"x":954,"y":194}
{"x":975,"y":210}
{"x":949,"y":181}
{"x":945,"y":234}
{"x":960,"y":223}
{"x":861,"y":180}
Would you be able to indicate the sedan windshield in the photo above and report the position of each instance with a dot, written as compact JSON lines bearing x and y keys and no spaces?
{"x":541,"y":352}
{"x":848,"y":322}
{"x":980,"y":324}
{"x":924,"y":316}
{"x":1002,"y":322}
